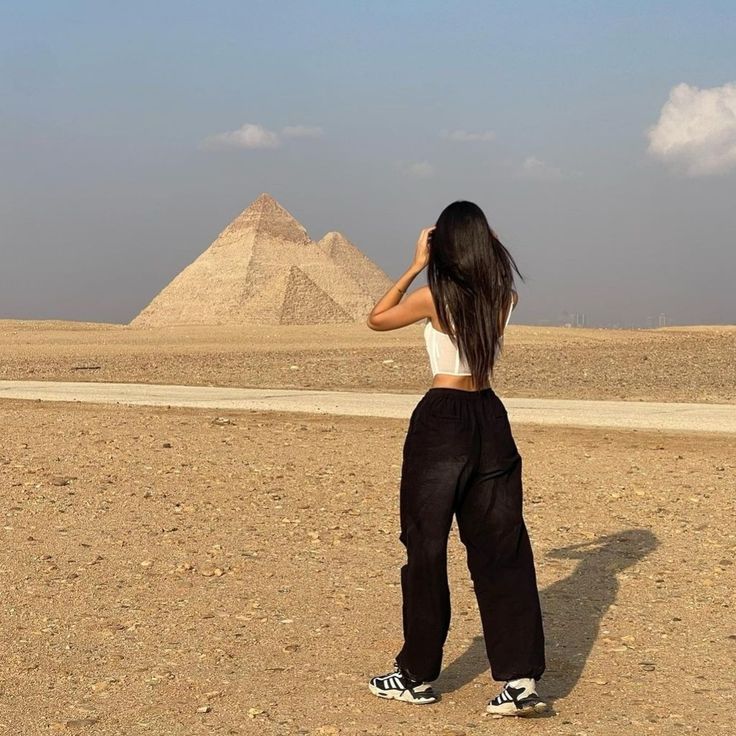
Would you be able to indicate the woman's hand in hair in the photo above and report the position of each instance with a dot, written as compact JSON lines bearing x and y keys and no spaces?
{"x":421,"y":253}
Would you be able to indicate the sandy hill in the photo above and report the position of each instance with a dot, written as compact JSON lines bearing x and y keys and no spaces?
{"x":264,"y":269}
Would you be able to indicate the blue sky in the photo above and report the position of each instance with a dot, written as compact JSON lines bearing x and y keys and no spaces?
{"x":110,"y":183}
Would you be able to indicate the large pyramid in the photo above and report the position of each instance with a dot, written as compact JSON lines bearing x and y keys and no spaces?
{"x":264,"y":269}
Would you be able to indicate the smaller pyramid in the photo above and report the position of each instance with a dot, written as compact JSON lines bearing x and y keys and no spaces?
{"x":352,"y":261}
{"x":306,"y":304}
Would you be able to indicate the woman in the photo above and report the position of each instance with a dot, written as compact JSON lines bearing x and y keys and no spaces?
{"x":460,"y":458}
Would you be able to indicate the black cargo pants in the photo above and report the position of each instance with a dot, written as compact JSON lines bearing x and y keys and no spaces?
{"x":460,"y":459}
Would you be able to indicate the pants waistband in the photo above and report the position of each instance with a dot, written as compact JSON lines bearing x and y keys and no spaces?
{"x":460,"y":393}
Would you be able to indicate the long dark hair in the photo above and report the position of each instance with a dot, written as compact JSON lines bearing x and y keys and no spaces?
{"x":471,"y":276}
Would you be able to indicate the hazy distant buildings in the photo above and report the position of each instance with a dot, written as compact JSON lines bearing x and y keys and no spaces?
{"x":573,"y":319}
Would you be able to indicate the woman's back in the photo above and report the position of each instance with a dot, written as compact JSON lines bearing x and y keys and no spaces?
{"x":470,"y":276}
{"x":444,"y":356}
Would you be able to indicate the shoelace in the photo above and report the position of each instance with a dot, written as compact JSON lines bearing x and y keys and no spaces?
{"x":408,"y":683}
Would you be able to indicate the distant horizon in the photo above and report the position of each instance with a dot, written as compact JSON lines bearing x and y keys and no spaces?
{"x":513,"y":323}
{"x":571,"y":320}
{"x":599,"y":139}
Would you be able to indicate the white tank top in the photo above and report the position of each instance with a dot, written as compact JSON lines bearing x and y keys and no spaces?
{"x":444,"y":357}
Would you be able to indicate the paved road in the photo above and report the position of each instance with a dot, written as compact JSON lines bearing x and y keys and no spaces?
{"x":614,"y":414}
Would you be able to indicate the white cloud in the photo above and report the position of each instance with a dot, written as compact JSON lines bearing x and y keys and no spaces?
{"x":417,"y":169}
{"x":249,"y":135}
{"x":301,"y":131}
{"x":465,"y":136}
{"x":538,"y":170}
{"x":696,"y":130}
{"x":252,"y":135}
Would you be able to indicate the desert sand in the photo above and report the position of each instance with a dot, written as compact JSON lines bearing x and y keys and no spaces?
{"x":693,"y":364}
{"x":182,"y":572}
{"x":188,"y":571}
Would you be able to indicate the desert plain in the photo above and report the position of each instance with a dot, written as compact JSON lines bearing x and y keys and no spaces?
{"x":176,"y":571}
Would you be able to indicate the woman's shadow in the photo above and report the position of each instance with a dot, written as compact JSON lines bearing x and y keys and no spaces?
{"x":572,"y":608}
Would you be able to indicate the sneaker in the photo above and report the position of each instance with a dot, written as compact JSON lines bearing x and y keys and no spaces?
{"x":517,"y":698}
{"x":398,"y":686}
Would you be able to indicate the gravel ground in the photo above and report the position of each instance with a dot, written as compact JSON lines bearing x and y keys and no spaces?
{"x":675,"y":364}
{"x":170,"y":572}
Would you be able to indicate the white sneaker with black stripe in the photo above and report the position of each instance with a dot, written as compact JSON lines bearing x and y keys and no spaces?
{"x":397,"y":686}
{"x":517,"y":698}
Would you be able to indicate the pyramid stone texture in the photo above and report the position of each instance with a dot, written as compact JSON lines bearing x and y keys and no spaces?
{"x":264,"y":269}
{"x":352,"y":261}
{"x":305,"y":303}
